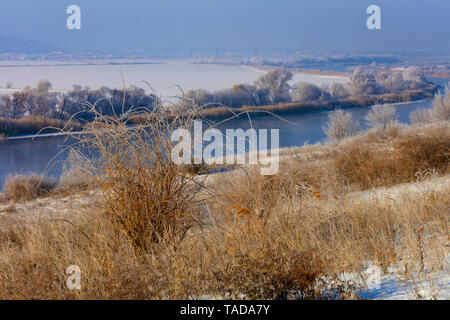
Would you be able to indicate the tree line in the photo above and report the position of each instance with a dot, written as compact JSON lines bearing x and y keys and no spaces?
{"x":76,"y":103}
{"x":271,"y":88}
{"x":274,"y":87}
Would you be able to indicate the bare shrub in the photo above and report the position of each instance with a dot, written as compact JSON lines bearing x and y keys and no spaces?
{"x":381,"y":116}
{"x":20,"y":187}
{"x":240,"y":95}
{"x":439,"y":112}
{"x":441,"y":106}
{"x":421,"y":116}
{"x":195,"y":97}
{"x":41,"y":102}
{"x":148,"y":197}
{"x":391,"y":82}
{"x":340,"y":125}
{"x":414,"y":74}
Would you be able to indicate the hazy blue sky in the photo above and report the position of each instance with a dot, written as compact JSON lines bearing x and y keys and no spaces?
{"x":314,"y":25}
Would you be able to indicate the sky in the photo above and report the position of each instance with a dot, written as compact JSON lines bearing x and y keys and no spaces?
{"x":305,"y":25}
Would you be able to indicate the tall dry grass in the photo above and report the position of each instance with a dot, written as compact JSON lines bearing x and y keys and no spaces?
{"x":393,"y":157}
{"x":27,"y":187}
{"x":74,"y":178}
{"x":235,"y":253}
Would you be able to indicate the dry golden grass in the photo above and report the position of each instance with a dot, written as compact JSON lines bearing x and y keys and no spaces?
{"x":234,"y":253}
{"x":395,"y":157}
{"x":20,"y":187}
{"x":372,"y":159}
{"x":29,"y":187}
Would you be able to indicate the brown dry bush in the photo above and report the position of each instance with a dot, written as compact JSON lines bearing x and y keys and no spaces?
{"x":425,"y":149}
{"x":148,"y":197}
{"x":21,"y":187}
{"x":395,"y":158}
{"x":366,"y":167}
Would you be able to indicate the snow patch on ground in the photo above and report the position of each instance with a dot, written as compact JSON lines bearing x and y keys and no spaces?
{"x":419,"y":188}
{"x":393,"y":286}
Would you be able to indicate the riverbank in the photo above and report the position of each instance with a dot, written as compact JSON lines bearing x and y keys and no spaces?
{"x":30,"y":126}
{"x":221,"y":113}
{"x":42,"y":135}
{"x":214,"y":114}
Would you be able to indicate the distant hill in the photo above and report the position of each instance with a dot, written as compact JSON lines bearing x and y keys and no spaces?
{"x":12,"y":44}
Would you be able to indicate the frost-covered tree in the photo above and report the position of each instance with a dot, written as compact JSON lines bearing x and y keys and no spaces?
{"x":381,"y":116}
{"x":338,"y":91}
{"x":415,"y":74}
{"x":363,"y":83}
{"x":441,"y":106}
{"x":276,"y":82}
{"x":340,"y":125}
{"x":304,"y":91}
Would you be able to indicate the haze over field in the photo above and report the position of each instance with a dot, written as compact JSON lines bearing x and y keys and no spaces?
{"x":319,"y":25}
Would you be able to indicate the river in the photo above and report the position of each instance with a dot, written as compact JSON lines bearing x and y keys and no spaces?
{"x":38,"y":155}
